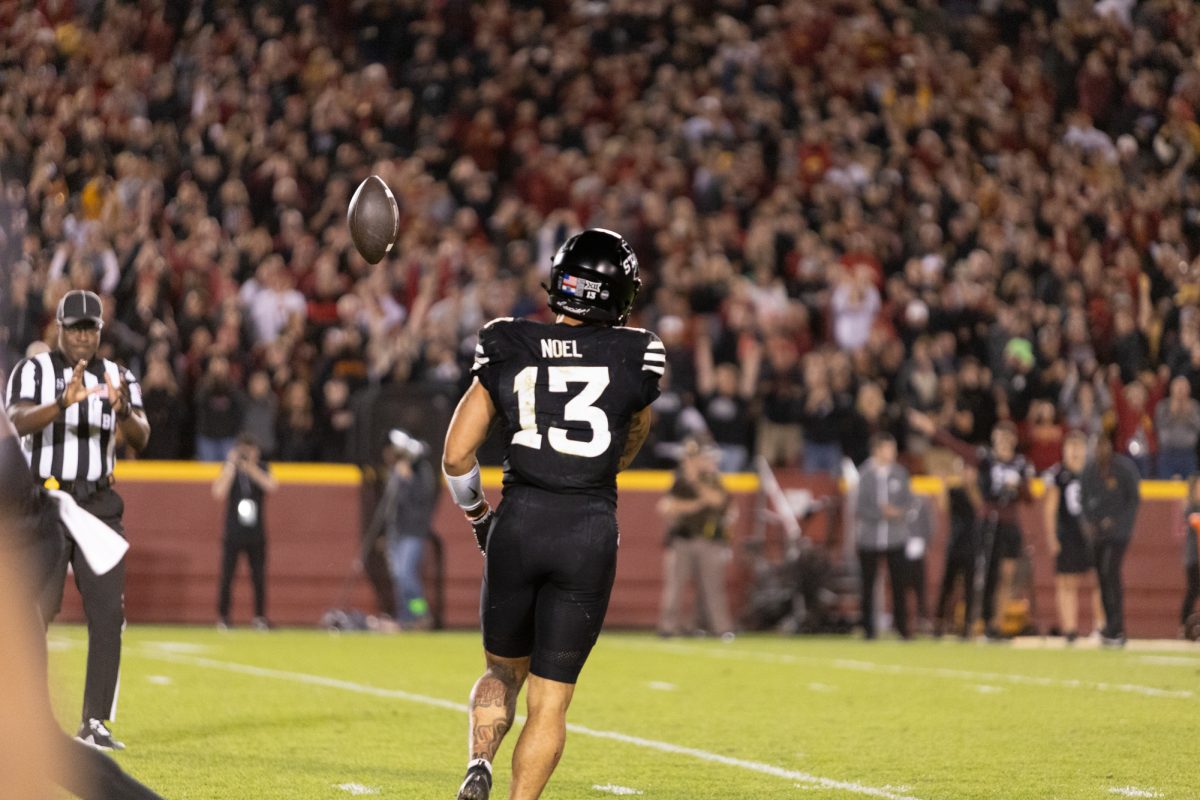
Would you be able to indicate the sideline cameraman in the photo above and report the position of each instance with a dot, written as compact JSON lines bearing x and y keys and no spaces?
{"x":697,"y":548}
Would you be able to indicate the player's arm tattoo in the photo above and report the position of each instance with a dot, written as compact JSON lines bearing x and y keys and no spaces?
{"x":639,"y":428}
{"x":493,"y":708}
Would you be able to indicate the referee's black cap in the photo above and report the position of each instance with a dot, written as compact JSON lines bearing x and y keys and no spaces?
{"x":78,"y":305}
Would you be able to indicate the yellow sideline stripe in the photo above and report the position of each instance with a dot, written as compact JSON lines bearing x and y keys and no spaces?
{"x":645,"y":480}
{"x":201,"y":472}
{"x":637,"y":480}
{"x":1150,"y":490}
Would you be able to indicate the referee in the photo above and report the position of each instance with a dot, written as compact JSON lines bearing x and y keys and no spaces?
{"x":68,"y":405}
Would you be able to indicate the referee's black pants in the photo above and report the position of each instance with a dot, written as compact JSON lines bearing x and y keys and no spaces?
{"x":82,"y":770}
{"x":103,"y":604}
{"x":1110,"y":555}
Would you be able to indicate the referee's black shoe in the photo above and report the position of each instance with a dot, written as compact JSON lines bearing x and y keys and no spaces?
{"x":477,"y":785}
{"x":94,"y":733}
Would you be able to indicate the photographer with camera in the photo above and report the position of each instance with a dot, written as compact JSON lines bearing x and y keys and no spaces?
{"x":697,"y":549}
{"x":244,"y":483}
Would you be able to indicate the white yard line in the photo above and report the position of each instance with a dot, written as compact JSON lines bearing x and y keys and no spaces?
{"x":1171,"y":661}
{"x":191,"y":648}
{"x":857,"y":665}
{"x":613,"y":789}
{"x":850,"y":787}
{"x":1133,"y":791}
{"x":357,"y":789}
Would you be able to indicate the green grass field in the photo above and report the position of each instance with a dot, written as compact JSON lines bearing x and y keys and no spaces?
{"x":305,"y":714}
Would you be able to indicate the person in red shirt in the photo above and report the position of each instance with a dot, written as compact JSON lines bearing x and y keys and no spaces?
{"x":1043,"y":435}
{"x":1134,"y":404}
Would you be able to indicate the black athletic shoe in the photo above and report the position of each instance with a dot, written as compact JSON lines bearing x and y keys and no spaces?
{"x":477,"y":785}
{"x":95,"y":734}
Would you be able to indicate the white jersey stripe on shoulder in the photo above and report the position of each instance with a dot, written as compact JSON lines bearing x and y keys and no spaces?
{"x":498,"y":319}
{"x":28,"y":384}
{"x":657,"y":358}
{"x":655,"y":344}
{"x":659,"y":370}
{"x":49,"y":376}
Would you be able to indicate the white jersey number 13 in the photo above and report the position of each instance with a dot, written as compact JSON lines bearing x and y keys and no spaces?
{"x":579,"y":409}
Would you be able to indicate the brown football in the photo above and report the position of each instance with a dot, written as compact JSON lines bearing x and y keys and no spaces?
{"x":374,"y":219}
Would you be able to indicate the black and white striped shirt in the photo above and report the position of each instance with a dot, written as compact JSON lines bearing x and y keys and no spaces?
{"x":80,"y":444}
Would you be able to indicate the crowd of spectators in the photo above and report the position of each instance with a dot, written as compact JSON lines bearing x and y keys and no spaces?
{"x":842,"y":209}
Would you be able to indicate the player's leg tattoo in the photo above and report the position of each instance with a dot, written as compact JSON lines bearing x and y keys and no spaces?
{"x":493,"y":707}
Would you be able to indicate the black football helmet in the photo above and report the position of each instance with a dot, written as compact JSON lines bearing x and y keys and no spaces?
{"x":594,"y":277}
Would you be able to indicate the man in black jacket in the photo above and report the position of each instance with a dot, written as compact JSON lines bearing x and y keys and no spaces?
{"x":1110,"y":501}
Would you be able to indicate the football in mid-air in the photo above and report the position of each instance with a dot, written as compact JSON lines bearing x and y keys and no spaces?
{"x":374,"y":219}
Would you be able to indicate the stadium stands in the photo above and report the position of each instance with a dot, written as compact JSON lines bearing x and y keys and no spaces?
{"x":974,"y":209}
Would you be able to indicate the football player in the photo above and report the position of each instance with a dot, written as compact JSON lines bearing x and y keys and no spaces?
{"x":572,"y":399}
{"x":1063,"y":524}
{"x":1004,"y":477}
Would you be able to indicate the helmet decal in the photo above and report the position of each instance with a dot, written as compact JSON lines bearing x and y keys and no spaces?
{"x":594,"y":277}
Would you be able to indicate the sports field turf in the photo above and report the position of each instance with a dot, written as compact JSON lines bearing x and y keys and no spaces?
{"x":305,"y":714}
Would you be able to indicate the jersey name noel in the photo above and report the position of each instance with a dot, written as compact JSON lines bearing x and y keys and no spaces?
{"x":558,"y":348}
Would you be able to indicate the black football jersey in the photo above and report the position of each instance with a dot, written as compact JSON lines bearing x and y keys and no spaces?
{"x":999,"y":481}
{"x":565,"y":396}
{"x":1070,"y":499}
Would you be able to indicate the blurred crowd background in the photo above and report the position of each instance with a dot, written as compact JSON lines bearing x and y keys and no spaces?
{"x":845,"y":209}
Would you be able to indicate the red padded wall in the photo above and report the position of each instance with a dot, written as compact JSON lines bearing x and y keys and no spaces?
{"x":175,"y":531}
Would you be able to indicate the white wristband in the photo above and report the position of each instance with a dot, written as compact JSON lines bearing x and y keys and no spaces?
{"x":467,"y":490}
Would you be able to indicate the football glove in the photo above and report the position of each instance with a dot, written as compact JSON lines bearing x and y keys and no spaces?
{"x":481,"y":526}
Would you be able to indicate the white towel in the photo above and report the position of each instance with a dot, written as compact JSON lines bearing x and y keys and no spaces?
{"x":101,"y":545}
{"x":914,"y":548}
